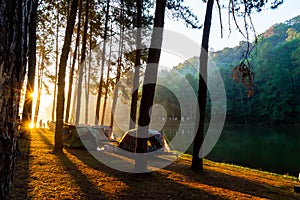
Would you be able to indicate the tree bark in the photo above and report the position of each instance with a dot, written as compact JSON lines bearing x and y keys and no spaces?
{"x":98,"y":104}
{"x":197,"y":162}
{"x":134,"y":97}
{"x":61,"y":77}
{"x":56,"y":64}
{"x":120,"y":52}
{"x":150,"y":77}
{"x":87,"y":82}
{"x":72,"y":119}
{"x":87,"y":95}
{"x":71,"y":76}
{"x":116,"y":91}
{"x":39,"y":92}
{"x":14,"y":20}
{"x":107,"y":83}
{"x":27,"y":108}
{"x":82,"y":60}
{"x":87,"y":91}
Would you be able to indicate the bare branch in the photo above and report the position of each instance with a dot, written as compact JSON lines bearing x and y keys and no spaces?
{"x":220,"y":17}
{"x":235,"y":19}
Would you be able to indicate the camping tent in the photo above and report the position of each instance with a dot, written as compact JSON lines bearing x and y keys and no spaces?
{"x":104,"y":133}
{"x":155,"y":141}
{"x":80,"y":136}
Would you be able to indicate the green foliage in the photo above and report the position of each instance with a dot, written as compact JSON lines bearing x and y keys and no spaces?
{"x":179,"y":11}
{"x":276,"y":69}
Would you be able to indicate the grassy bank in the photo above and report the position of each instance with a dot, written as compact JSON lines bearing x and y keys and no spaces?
{"x":40,"y":174}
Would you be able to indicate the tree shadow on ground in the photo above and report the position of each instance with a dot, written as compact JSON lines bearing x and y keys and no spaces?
{"x":147,"y":186}
{"x":176,"y":181}
{"x":233,"y":183}
{"x":21,"y":172}
{"x":86,"y":186}
{"x":138,"y":186}
{"x":177,"y":189}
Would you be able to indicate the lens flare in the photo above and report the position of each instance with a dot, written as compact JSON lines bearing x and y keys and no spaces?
{"x":31,"y":125}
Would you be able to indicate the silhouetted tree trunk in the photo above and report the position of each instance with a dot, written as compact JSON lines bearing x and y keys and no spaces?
{"x":82,"y":60}
{"x":107,"y":82}
{"x":71,"y":76}
{"x":27,"y":108}
{"x":39,"y":91}
{"x":197,"y":162}
{"x":88,"y":76}
{"x":56,"y":63}
{"x":150,"y":77}
{"x":105,"y":95}
{"x":72,"y":119}
{"x":98,"y":104}
{"x":134,"y":97}
{"x":14,"y":21}
{"x":116,"y":90}
{"x":87,"y":90}
{"x":120,"y":52}
{"x":61,"y":77}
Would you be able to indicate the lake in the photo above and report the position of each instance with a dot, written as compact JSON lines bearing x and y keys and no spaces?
{"x":274,"y":149}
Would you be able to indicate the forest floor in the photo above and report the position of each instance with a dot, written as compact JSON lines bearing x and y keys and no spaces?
{"x":75,"y":174}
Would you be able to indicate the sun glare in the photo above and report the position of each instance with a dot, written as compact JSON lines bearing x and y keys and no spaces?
{"x":33,"y":95}
{"x":31,"y":125}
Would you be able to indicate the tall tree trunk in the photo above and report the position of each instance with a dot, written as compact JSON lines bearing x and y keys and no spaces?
{"x":98,"y":104}
{"x":79,"y":93}
{"x":27,"y":108}
{"x":72,"y":119}
{"x":134,"y":97}
{"x":82,"y":59}
{"x":39,"y":91}
{"x":115,"y":94}
{"x":14,"y":20}
{"x":79,"y":90}
{"x":120,"y":52}
{"x":87,"y":95}
{"x":56,"y":64}
{"x":71,"y":76}
{"x":105,"y":96}
{"x":87,"y":92}
{"x":197,"y":161}
{"x":107,"y":82}
{"x":61,"y":77}
{"x":150,"y":77}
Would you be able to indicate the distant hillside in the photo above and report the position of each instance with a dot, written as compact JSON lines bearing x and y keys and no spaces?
{"x":188,"y":67}
{"x":276,"y":63}
{"x":227,"y":57}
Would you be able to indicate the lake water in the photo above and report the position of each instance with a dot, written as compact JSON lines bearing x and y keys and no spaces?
{"x":270,"y":149}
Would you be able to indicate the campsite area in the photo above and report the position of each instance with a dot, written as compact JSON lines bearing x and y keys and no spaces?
{"x":75,"y":174}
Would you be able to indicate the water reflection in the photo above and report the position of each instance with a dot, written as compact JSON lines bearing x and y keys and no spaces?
{"x":272,"y":149}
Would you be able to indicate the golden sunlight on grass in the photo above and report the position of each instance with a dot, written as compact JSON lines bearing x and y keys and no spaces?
{"x":211,"y":189}
{"x":75,"y":174}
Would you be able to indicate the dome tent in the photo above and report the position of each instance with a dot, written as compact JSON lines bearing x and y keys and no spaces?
{"x":80,"y":136}
{"x":105,"y":133}
{"x":155,"y":141}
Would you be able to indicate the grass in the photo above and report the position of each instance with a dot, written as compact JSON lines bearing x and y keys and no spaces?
{"x":75,"y":174}
{"x":238,"y":167}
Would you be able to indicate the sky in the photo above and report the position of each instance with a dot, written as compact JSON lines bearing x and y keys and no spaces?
{"x":262,"y":21}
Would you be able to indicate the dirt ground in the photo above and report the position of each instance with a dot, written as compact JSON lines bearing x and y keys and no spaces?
{"x":75,"y":174}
